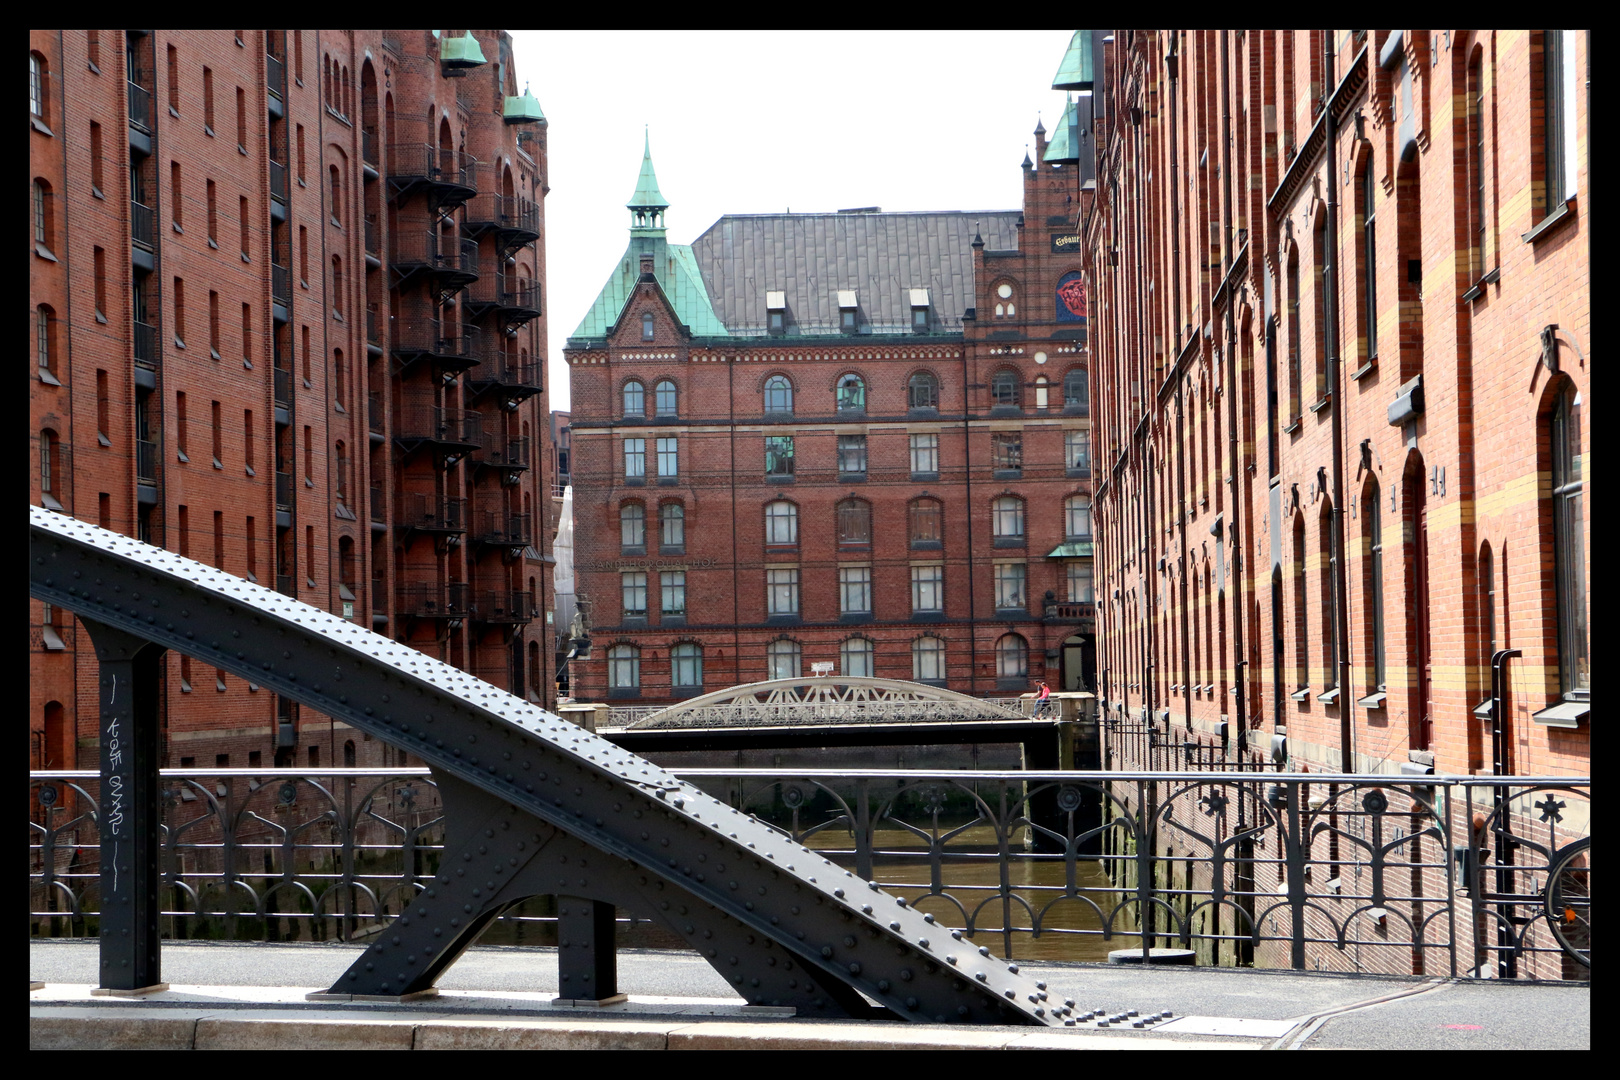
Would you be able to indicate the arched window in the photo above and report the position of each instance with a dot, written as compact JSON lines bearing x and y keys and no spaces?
{"x":39,"y":87}
{"x":1076,"y":392}
{"x":44,"y":216}
{"x":686,"y":665}
{"x":635,"y":399}
{"x":672,"y":527}
{"x":928,"y":660}
{"x":855,"y":658}
{"x":854,"y":522}
{"x":1040,"y":392}
{"x":922,"y":391}
{"x":1369,"y":259}
{"x":664,"y":398}
{"x":624,"y":668}
{"x":1485,"y":578}
{"x":781,"y":523}
{"x":632,"y":526}
{"x":851,"y":394}
{"x":45,"y":341}
{"x":1372,"y":512}
{"x":1295,"y":388}
{"x":1302,"y":635}
{"x":1077,"y":517}
{"x":926,"y":523}
{"x":1569,"y":545}
{"x":1012,"y":658}
{"x":782,"y":659}
{"x":778,"y":394}
{"x":49,"y":470}
{"x":1007,"y":518}
{"x":647,"y":326}
{"x":1004,"y":389}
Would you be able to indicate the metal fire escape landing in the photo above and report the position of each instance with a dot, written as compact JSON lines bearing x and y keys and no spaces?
{"x":534,"y":805}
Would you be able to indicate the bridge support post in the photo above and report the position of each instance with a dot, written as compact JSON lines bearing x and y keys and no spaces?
{"x":130,"y":821}
{"x":587,"y":957}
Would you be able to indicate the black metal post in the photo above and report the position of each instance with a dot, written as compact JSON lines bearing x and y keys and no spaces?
{"x":129,"y":819}
{"x":587,"y":961}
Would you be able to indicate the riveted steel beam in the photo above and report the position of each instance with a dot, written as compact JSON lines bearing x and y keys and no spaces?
{"x":618,"y":828}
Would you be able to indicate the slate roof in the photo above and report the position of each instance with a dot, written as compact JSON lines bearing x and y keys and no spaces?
{"x":879,"y":256}
{"x":684,"y":288}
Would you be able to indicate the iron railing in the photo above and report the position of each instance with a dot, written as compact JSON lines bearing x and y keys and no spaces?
{"x":373,"y":235}
{"x":409,"y":162}
{"x":284,"y":491}
{"x":283,"y":387}
{"x":1455,"y":876}
{"x":1070,"y":610}
{"x":281,"y":284}
{"x":147,"y":352}
{"x":429,"y":601}
{"x":504,"y":453}
{"x":285,"y":586}
{"x":374,"y":411}
{"x":275,"y":75}
{"x":368,"y":146}
{"x":278,"y":180}
{"x":373,"y":324}
{"x":506,"y":371}
{"x":379,"y":503}
{"x":500,"y":527}
{"x":146,"y":460}
{"x":140,"y":106}
{"x":437,"y":338}
{"x":434,"y":423}
{"x":142,"y":228}
{"x":510,"y":606}
{"x":435,"y":513}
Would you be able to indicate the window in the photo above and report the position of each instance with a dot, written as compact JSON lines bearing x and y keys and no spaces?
{"x":243,"y":221}
{"x":779,"y":455}
{"x":96,"y":166}
{"x":624,"y":668}
{"x":1369,"y":256}
{"x":1302,"y":660}
{"x":1012,"y":658}
{"x":686,"y":665}
{"x":851,"y":456}
{"x":1558,"y":100}
{"x":1077,"y":451}
{"x":632,"y":527}
{"x":782,"y":659}
{"x":1569,"y":546}
{"x":778,"y":395}
{"x":633,"y":594}
{"x":247,"y":334}
{"x":1294,"y":377}
{"x":1076,"y":393}
{"x":176,"y":199}
{"x":672,"y":590}
{"x":647,"y":327}
{"x":44,"y":217}
{"x":854,"y":523}
{"x":336,"y":179}
{"x":922,"y":391}
{"x":1079,"y":578}
{"x":781,"y":523}
{"x":48,"y":469}
{"x":672,"y":528}
{"x":855,"y":658}
{"x":181,"y":426}
{"x":213,"y":215}
{"x":919,"y":319}
{"x":1007,"y":451}
{"x":925,"y":454}
{"x":219,"y":437}
{"x":174,"y":80}
{"x":208,"y":100}
{"x":1476,"y":163}
{"x":854,"y":590}
{"x":101,"y":284}
{"x":928,"y":660}
{"x":664,"y":398}
{"x":1004,"y":390}
{"x":45,"y":342}
{"x":927,"y":589}
{"x":635,"y":459}
{"x":180,"y":312}
{"x":1484,"y":574}
{"x":851,"y":394}
{"x":774,"y":322}
{"x":1010,"y":586}
{"x":1007,"y":519}
{"x":782,"y":592}
{"x":635,"y":399}
{"x":846,"y":320}
{"x":926,"y":523}
{"x":38,"y":87}
{"x":1077,"y":517}
{"x":669,"y":459}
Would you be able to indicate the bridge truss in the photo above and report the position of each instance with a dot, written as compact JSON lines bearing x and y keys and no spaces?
{"x":533,"y":806}
{"x":824,"y":700}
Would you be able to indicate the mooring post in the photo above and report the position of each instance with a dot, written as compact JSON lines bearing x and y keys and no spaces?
{"x":587,"y":959}
{"x":130,"y":820}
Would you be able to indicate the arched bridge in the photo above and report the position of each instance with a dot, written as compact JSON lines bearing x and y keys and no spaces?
{"x":534,"y":806}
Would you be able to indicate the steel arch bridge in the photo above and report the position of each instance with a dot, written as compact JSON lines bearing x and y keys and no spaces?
{"x":533,"y":806}
{"x":824,"y":700}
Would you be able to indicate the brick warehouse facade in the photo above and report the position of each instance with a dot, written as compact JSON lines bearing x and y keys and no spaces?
{"x":1341,"y":281}
{"x":286,"y":293}
{"x":859,"y":439}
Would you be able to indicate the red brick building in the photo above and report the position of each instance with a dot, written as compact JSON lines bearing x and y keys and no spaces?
{"x":1341,"y":327}
{"x":286,"y":291}
{"x":857,"y":439}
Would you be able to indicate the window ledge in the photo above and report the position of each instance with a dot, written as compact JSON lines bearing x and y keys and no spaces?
{"x":779,"y":479}
{"x":1365,"y":369}
{"x":924,"y":477}
{"x":852,"y":478}
{"x":181,"y":455}
{"x":1329,"y":697}
{"x":672,"y":549}
{"x":39,"y":126}
{"x":1303,"y":694}
{"x":667,"y":481}
{"x":1293,"y":426}
{"x":928,"y":616}
{"x":49,"y":502}
{"x":1548,"y":224}
{"x":44,"y":252}
{"x":1010,"y":542}
{"x":48,"y":379}
{"x":635,"y":481}
{"x":927,"y":545}
{"x":855,"y":617}
{"x":632,"y":549}
{"x":103,"y":440}
{"x":96,"y":192}
{"x":1373,"y":701}
{"x":1566,"y":714}
{"x":1327,"y":399}
{"x":1008,"y":474}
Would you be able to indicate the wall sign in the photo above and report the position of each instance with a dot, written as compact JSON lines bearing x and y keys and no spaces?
{"x":1071,"y":298}
{"x":1065,"y":242}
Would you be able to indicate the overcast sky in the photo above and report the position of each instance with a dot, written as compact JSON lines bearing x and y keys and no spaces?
{"x":745,"y":122}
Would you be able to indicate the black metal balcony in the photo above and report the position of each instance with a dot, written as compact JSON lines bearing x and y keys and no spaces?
{"x":450,"y":177}
{"x":515,"y":218}
{"x":284,"y":491}
{"x":142,"y":225}
{"x":373,"y":236}
{"x":146,"y":461}
{"x":451,"y":262}
{"x":513,"y":379}
{"x":379,"y":503}
{"x":428,"y":601}
{"x":281,"y":284}
{"x":283,"y":388}
{"x":368,"y":146}
{"x":285,"y":586}
{"x":509,"y":606}
{"x":275,"y":75}
{"x":379,"y":594}
{"x":374,"y":412}
{"x":431,"y":339}
{"x":140,"y":106}
{"x":278,"y":180}
{"x":500,"y":452}
{"x":501,"y":529}
{"x":432,"y":513}
{"x":374,"y":322}
{"x":147,"y":351}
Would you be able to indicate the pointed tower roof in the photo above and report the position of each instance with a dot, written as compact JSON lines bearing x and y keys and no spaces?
{"x":1075,"y":73}
{"x":647,"y":194}
{"x":1065,"y":145}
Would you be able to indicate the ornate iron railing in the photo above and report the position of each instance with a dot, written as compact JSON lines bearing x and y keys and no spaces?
{"x":1347,"y":873}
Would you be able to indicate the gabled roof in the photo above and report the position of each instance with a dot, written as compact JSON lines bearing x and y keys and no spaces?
{"x":880,"y":257}
{"x":682,"y":285}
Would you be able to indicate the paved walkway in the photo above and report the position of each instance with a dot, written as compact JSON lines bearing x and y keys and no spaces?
{"x":252,"y":996}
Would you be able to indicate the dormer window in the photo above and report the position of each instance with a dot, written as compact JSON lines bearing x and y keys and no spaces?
{"x":846,"y":310}
{"x":775,"y":311}
{"x":647,"y":327}
{"x":919,"y":310}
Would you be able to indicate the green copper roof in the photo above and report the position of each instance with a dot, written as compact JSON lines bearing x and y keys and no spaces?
{"x":647,"y":193}
{"x":463,"y":51}
{"x":1070,"y":549}
{"x":1075,"y":71}
{"x":523,"y":110}
{"x":677,"y":274}
{"x":1065,"y":144}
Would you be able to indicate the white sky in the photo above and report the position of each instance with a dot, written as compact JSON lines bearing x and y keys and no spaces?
{"x":746,"y":122}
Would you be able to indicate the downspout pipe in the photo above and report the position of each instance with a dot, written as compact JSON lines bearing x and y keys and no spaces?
{"x":1239,"y":655}
{"x":1330,"y":308}
{"x":1172,"y":64}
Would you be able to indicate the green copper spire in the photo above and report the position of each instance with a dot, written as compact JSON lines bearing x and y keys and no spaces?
{"x":1065,"y":144}
{"x":647,"y":195}
{"x":1075,"y":71}
{"x":461,"y":52}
